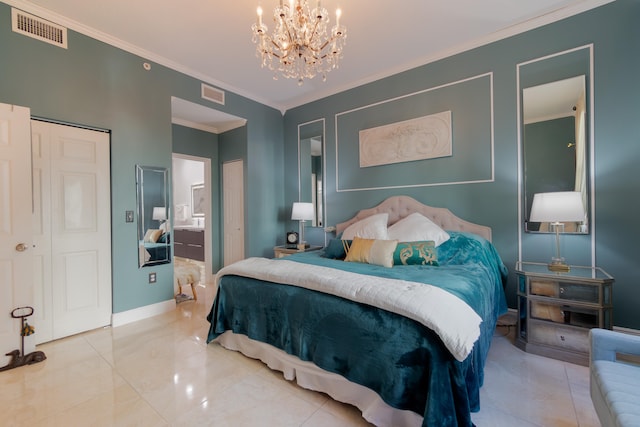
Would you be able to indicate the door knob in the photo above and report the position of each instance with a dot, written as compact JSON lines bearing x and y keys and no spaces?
{"x":21,"y":247}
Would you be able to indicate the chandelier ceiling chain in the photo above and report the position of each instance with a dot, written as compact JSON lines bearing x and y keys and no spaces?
{"x":301,"y":45}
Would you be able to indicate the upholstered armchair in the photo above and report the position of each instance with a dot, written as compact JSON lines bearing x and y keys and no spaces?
{"x":614,"y":377}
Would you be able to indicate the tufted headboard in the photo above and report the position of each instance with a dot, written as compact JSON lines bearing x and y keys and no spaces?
{"x":399,"y":207}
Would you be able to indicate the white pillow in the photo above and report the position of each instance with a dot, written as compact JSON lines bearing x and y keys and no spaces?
{"x":417,"y":227}
{"x":373,"y":227}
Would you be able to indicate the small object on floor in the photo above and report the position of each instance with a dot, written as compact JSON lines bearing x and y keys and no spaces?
{"x":183,"y":297}
{"x":186,"y":273}
{"x":18,"y":358}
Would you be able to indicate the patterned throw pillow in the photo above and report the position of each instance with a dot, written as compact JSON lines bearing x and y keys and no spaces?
{"x":372,"y":251}
{"x":416,"y":253}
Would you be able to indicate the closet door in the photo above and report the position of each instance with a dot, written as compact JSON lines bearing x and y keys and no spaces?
{"x":15,"y":227}
{"x":233,"y":201}
{"x":72,"y":227}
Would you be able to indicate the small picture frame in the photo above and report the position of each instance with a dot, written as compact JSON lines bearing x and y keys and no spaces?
{"x":198,"y":200}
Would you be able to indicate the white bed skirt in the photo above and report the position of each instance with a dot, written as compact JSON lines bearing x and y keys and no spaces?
{"x":311,"y":377}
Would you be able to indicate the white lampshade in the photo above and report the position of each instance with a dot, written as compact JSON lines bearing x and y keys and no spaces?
{"x":302,"y":211}
{"x":159,"y":213}
{"x":562,"y":206}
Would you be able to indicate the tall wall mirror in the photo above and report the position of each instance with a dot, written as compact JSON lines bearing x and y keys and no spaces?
{"x":555,"y":139}
{"x":311,"y":168}
{"x":154,"y":226}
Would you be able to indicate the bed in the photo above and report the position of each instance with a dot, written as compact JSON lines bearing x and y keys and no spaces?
{"x":406,"y":344}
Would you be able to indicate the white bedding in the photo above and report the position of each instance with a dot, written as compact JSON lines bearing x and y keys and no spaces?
{"x":457,"y":324}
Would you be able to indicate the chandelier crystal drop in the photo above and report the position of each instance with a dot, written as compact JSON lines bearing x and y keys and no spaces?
{"x":301,"y":44}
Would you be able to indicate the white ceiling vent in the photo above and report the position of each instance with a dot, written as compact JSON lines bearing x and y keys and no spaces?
{"x":38,"y":28}
{"x":212,"y":94}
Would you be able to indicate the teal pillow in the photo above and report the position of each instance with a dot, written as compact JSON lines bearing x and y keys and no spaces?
{"x":337,"y":248}
{"x":416,"y":253}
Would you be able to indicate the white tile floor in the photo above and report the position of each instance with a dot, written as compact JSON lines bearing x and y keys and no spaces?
{"x":160,"y":371}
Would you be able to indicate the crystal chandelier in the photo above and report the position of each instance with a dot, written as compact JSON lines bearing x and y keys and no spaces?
{"x":301,"y":45}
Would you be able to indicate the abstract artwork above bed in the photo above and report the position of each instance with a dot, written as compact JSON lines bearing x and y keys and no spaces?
{"x":423,"y":138}
{"x":394,"y":152}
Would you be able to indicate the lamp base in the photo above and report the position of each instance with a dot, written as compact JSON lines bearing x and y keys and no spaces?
{"x":558,"y":265}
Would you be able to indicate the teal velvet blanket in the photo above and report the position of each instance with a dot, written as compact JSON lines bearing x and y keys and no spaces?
{"x":400,"y":359}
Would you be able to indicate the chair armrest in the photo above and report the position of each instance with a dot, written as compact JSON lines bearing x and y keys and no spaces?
{"x":605,"y":344}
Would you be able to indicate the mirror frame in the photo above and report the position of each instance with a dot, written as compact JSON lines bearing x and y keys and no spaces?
{"x":317,"y":186}
{"x":523,"y":211}
{"x":152,"y":253}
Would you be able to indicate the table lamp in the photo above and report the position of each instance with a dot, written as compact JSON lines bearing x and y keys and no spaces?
{"x":557,"y":208}
{"x":302,"y":212}
{"x":159,"y":214}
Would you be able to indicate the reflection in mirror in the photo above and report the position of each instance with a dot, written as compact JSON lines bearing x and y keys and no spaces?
{"x":311,"y":167}
{"x":154,"y":229}
{"x":555,"y":141}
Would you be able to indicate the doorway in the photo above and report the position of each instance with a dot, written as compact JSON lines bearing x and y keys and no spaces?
{"x":191,"y":198}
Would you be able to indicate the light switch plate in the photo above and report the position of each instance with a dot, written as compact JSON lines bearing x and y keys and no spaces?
{"x":128,"y":216}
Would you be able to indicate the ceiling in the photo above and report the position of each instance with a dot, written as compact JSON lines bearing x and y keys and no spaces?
{"x":552,"y":100}
{"x":211,"y":40}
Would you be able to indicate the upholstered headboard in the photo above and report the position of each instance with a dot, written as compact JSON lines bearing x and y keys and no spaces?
{"x":399,"y":207}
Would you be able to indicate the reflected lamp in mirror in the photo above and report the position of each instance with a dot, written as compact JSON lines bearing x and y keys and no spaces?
{"x":556,"y":209}
{"x":160,"y":215}
{"x":302,"y":212}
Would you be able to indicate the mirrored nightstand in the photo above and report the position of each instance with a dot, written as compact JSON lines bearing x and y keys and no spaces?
{"x":556,"y":310}
{"x":283,"y":251}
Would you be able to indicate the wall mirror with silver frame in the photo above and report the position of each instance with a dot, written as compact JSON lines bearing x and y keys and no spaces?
{"x":555,"y":135}
{"x":154,"y":225}
{"x":311,"y":168}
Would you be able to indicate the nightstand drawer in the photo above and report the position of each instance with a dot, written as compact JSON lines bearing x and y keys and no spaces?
{"x":565,"y":314}
{"x":568,"y":338}
{"x":564,"y":290}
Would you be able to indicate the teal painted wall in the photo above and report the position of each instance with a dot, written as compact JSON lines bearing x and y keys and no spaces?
{"x":546,"y":144}
{"x":97,"y":85}
{"x":614,"y":32}
{"x":94,"y":84}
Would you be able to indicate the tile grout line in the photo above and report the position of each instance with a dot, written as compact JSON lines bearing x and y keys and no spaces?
{"x":115,"y":370}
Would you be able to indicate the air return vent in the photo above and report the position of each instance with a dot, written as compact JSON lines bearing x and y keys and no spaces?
{"x":38,"y":28}
{"x":212,"y":94}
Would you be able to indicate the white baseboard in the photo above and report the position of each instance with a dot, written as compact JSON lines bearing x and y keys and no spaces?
{"x":140,"y":313}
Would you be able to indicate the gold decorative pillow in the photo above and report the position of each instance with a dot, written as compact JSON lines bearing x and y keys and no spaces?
{"x":372,"y":251}
{"x":152,"y":235}
{"x":416,"y":253}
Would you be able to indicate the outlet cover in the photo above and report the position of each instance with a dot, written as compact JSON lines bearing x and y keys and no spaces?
{"x":152,"y":277}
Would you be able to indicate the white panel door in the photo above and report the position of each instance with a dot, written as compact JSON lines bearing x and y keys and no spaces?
{"x":16,"y":288}
{"x":41,"y":173}
{"x":233,"y":200}
{"x":78,"y":216}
